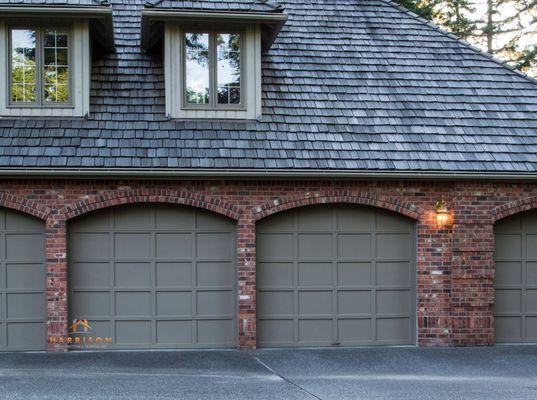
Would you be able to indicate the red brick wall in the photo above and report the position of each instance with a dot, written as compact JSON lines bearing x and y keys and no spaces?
{"x":455,"y":265}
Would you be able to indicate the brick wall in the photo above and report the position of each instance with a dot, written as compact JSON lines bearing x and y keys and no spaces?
{"x":455,"y":265}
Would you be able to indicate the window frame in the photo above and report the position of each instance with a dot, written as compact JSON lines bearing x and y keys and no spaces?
{"x":40,"y":55}
{"x":213,"y":71}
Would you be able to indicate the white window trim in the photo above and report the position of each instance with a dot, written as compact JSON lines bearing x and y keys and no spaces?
{"x":80,"y":75}
{"x":173,"y":71}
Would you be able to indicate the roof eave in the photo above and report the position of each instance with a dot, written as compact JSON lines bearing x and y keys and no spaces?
{"x":271,"y":23}
{"x":188,"y":173}
{"x":96,"y":14}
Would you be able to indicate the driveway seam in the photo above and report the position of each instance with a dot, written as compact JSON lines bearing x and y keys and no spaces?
{"x":272,"y":371}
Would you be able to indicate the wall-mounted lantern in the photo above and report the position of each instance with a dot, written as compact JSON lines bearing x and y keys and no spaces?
{"x":443,"y":216}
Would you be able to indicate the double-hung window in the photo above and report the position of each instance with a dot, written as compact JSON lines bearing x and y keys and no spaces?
{"x":212,"y":70}
{"x":39,"y":66}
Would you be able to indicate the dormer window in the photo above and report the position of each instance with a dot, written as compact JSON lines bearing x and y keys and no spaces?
{"x":39,"y":59}
{"x":212,"y":65}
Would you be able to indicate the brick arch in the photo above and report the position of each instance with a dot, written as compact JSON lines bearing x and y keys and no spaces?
{"x":30,"y":207}
{"x":367,"y":199}
{"x":514,"y":207}
{"x":105,"y":200}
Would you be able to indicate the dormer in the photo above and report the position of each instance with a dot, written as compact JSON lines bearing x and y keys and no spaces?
{"x":47,"y":50}
{"x":212,"y":58}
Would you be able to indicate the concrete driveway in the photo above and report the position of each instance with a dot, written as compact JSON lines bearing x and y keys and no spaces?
{"x":508,"y":372}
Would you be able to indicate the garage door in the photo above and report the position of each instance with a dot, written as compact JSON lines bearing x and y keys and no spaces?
{"x":154,"y":276}
{"x":22,"y":282}
{"x":336,"y":275}
{"x":515,"y":280}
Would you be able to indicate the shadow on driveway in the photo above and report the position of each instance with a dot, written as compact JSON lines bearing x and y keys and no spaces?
{"x":508,"y":372}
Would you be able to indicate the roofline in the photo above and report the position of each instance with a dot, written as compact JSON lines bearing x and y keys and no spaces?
{"x":186,"y":173}
{"x":102,"y":13}
{"x":274,"y":21}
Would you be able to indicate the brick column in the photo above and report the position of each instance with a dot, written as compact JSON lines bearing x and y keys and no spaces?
{"x":246,"y":243}
{"x":56,"y":253}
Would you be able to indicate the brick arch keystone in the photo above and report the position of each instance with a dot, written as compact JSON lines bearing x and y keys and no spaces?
{"x":30,"y":207}
{"x":514,"y":207}
{"x":117,"y":198}
{"x":336,"y":197}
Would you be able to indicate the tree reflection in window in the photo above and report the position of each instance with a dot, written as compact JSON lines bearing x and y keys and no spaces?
{"x":56,"y":66}
{"x":23,"y":66}
{"x":228,"y":68}
{"x":197,"y":68}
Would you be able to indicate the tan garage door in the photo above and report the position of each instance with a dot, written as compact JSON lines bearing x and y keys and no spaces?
{"x":155,"y":276}
{"x":330,"y":275}
{"x":516,"y":279}
{"x":22,"y":282}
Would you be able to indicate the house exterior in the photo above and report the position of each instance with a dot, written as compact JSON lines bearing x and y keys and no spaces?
{"x":199,"y":174}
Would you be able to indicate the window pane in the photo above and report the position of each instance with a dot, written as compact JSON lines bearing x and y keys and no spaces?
{"x":23,"y":69}
{"x":197,"y":68}
{"x":56,"y":66}
{"x":228,"y":69}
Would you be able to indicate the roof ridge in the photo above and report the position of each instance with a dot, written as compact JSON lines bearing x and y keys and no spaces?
{"x":461,"y":41}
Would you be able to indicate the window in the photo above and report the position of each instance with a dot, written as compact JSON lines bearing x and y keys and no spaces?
{"x":212,"y":65}
{"x":212,"y":73}
{"x":40,"y":72}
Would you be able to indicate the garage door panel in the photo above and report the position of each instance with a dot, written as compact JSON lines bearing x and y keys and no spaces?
{"x":531,"y":327}
{"x":531,"y":246}
{"x":276,"y":223}
{"x":393,"y":329}
{"x":215,"y":332}
{"x":277,"y":303}
{"x":273,"y":274}
{"x":352,"y":302}
{"x":315,"y":246}
{"x":315,"y":331}
{"x":214,"y":246}
{"x":94,"y":222}
{"x":531,"y":273}
{"x":174,"y":274}
{"x":132,"y":219}
{"x":508,"y":301}
{"x":174,"y":218}
{"x":508,"y":328}
{"x":168,"y":245}
{"x":133,"y":333}
{"x":508,"y":246}
{"x":214,"y":303}
{"x":25,"y":276}
{"x":508,"y":273}
{"x":25,"y":305}
{"x":174,"y":332}
{"x":133,"y":275}
{"x":354,"y":273}
{"x":86,"y":246}
{"x":393,"y":302}
{"x":335,"y":283}
{"x":133,"y":304}
{"x":314,"y":274}
{"x":509,"y":225}
{"x":392,"y":246}
{"x":356,"y":246}
{"x":21,"y":334}
{"x":393,"y":274}
{"x":132,"y":245}
{"x":212,"y":222}
{"x":315,"y":303}
{"x":276,"y":246}
{"x":531,"y":301}
{"x":90,"y":275}
{"x":355,"y":330}
{"x":16,"y":222}
{"x":174,"y":304}
{"x":24,"y":247}
{"x":90,"y":304}
{"x":215,"y":274}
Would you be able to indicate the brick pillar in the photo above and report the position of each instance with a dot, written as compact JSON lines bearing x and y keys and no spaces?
{"x":434,"y":280}
{"x":246,"y":282}
{"x":473,"y":269}
{"x":56,"y":252}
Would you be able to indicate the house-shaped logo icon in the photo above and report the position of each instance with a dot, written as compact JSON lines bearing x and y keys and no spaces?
{"x":80,"y":325}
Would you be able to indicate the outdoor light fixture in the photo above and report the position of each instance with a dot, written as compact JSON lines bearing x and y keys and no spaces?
{"x":443,"y":216}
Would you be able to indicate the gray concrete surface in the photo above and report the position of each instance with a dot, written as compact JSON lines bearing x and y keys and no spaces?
{"x":507,"y":372}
